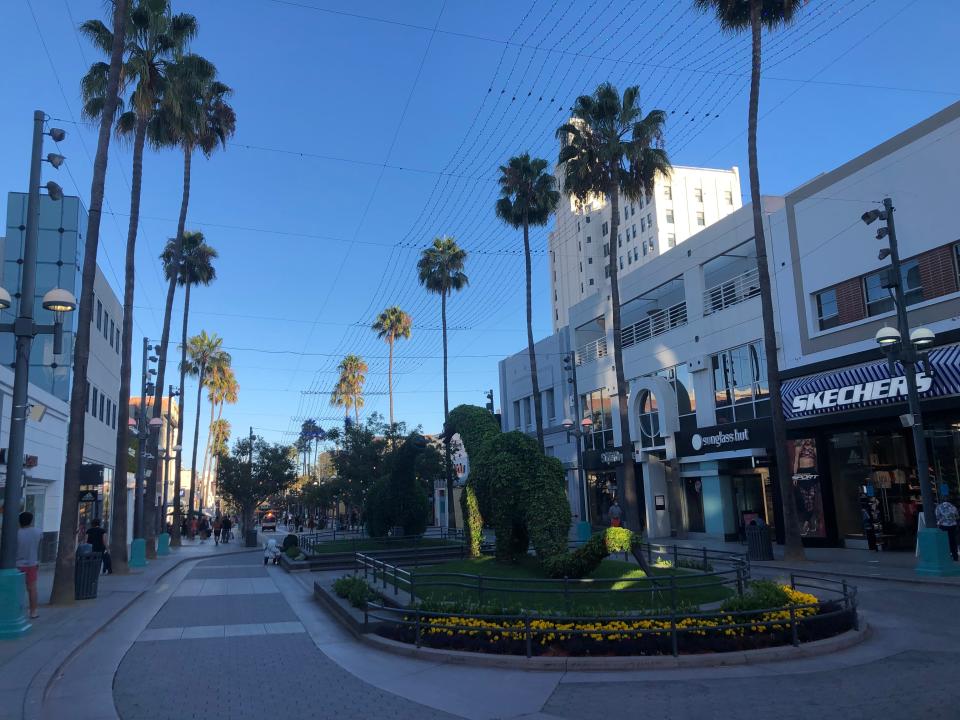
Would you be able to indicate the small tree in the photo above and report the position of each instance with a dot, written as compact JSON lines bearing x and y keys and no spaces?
{"x":252,"y":473}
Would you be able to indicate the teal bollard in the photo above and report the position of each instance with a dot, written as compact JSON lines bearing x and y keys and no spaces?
{"x":584,"y":531}
{"x":138,"y":553}
{"x":13,"y":605}
{"x":933,"y":554}
{"x":163,"y":544}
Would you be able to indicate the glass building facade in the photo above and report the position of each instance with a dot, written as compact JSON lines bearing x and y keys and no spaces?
{"x":59,"y":258}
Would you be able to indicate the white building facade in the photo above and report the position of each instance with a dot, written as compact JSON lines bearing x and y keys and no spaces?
{"x":680,"y":206}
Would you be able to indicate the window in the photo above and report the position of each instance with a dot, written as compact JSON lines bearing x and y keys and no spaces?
{"x":606,"y":249}
{"x":668,"y":192}
{"x":113,"y":332}
{"x":629,"y":258}
{"x":605,"y":228}
{"x":633,"y":210}
{"x":581,"y":288}
{"x":636,"y":254}
{"x":644,"y":248}
{"x":113,"y":422}
{"x":643,"y":225}
{"x":700,"y":221}
{"x":626,"y":212}
{"x":728,"y":196}
{"x":581,"y":267}
{"x":117,"y":344}
{"x":641,"y":202}
{"x":99,"y":314}
{"x":550,"y":404}
{"x":591,"y":279}
{"x":650,"y":219}
{"x":621,"y":262}
{"x":740,"y":383}
{"x":527,"y":416}
{"x":587,"y":219}
{"x":671,"y":240}
{"x":589,"y":239}
{"x":93,"y":407}
{"x":606,"y":271}
{"x":106,"y":325}
{"x":109,"y":404}
{"x":649,"y":425}
{"x":596,"y":406}
{"x":578,"y":226}
{"x":619,"y":240}
{"x":633,"y":228}
{"x":516,"y":411}
{"x":589,"y":261}
{"x":878,"y":297}
{"x":102,"y":405}
{"x":828,"y":314}
{"x":698,"y":194}
{"x":86,"y":402}
{"x":579,"y":246}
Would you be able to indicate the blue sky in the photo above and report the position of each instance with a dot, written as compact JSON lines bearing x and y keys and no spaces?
{"x":367,"y":128}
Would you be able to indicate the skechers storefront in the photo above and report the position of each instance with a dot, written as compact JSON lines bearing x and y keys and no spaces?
{"x":855,"y":479}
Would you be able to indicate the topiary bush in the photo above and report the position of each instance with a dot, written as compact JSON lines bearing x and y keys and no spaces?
{"x":399,"y":500}
{"x":476,"y":426}
{"x":588,"y":556}
{"x":289,"y":541}
{"x":378,"y":509}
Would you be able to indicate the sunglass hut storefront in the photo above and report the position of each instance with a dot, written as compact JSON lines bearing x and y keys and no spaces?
{"x":853,"y":461}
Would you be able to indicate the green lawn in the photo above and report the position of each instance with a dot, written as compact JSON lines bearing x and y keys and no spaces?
{"x":351,"y":545}
{"x":620,"y":586}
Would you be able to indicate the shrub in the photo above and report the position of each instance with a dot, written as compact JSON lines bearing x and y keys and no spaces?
{"x":354,"y":589}
{"x":288,"y":542}
{"x":378,"y":509}
{"x":588,"y":556}
{"x":759,"y":595}
{"x":292,"y":552}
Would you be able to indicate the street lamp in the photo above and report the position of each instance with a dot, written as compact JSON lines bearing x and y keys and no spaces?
{"x":933,"y":555}
{"x":138,"y":548}
{"x":13,"y":623}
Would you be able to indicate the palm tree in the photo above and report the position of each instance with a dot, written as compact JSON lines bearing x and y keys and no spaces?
{"x":348,"y":391}
{"x":194,"y":268}
{"x":735,"y":16}
{"x":154,"y":35}
{"x":440,"y":270}
{"x":194,"y":114}
{"x":204,"y":354}
{"x":222,"y":388}
{"x":391,"y":325}
{"x":63,"y":579}
{"x":608,"y":148}
{"x":528,"y":196}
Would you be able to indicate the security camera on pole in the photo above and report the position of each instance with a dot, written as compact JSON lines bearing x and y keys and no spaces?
{"x":933,"y":555}
{"x":13,"y":622}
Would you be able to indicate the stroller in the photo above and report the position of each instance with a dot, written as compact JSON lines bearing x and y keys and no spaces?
{"x":271,"y":552}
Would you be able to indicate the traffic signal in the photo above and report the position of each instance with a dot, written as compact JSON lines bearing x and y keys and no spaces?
{"x":490,"y":401}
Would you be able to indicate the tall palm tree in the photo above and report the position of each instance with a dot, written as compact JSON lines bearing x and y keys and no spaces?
{"x":609,"y":147}
{"x":440,"y":270}
{"x":349,"y":388}
{"x":528,"y":196}
{"x":204,"y":354}
{"x":341,"y":396}
{"x":391,"y":325}
{"x":222,"y":389}
{"x":735,"y":16}
{"x":195,"y":267}
{"x":153,"y":35}
{"x":194,"y":114}
{"x":63,"y":579}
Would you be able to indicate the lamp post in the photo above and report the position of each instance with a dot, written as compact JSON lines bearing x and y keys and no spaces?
{"x":144,"y":426}
{"x":166,"y":454}
{"x":570,"y":366}
{"x":933,"y":556}
{"x":13,"y":623}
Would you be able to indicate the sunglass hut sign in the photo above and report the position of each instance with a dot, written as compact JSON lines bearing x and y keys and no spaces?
{"x":869,"y":385}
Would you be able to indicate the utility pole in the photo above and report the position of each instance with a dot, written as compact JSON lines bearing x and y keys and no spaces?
{"x":138,"y":551}
{"x":570,"y":365}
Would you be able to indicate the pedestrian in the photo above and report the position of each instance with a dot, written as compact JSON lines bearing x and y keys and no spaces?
{"x":225,"y":527}
{"x":28,"y":557}
{"x":217,"y":529}
{"x":203,"y":528}
{"x":193,"y":528}
{"x":95,"y":536}
{"x":615,"y":514}
{"x":947,"y":518}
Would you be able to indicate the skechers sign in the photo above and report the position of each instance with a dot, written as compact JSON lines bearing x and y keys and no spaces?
{"x":869,"y":385}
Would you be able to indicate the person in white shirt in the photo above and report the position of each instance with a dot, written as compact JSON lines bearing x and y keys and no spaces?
{"x":947,"y":519}
{"x":28,"y":557}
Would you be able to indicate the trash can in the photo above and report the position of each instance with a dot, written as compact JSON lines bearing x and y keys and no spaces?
{"x":252,"y":538}
{"x":86,"y":575}
{"x":759,"y":544}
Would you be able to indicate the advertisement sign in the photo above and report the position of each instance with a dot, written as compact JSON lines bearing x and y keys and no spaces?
{"x":869,"y":385}
{"x":807,"y":493}
{"x":458,"y":456}
{"x":751,"y":434}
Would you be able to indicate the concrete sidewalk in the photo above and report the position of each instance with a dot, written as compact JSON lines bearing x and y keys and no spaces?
{"x":840,"y":562}
{"x":28,"y":664}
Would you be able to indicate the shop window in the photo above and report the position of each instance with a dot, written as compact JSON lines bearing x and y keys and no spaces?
{"x":596,"y":406}
{"x":828,"y":313}
{"x":878,"y":297}
{"x":740,"y":383}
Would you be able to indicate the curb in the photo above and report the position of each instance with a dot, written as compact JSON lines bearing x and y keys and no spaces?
{"x":636,"y":662}
{"x":33,"y":705}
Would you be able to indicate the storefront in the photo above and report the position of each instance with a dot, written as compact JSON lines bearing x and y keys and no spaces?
{"x":724,"y":481}
{"x":604,"y":471}
{"x":853,"y":458}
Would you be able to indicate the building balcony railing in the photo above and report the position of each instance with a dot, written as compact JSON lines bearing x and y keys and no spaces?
{"x":592,"y":351}
{"x":735,"y":290}
{"x":657,"y":323}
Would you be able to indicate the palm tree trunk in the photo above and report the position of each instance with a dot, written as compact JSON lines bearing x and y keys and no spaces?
{"x":178,"y":465}
{"x":390,"y":380}
{"x":165,"y":335}
{"x":196,"y":436}
{"x":63,"y":589}
{"x":534,"y":380}
{"x":118,"y":532}
{"x":451,"y":515}
{"x":204,"y":478}
{"x":793,"y":545}
{"x":627,"y":489}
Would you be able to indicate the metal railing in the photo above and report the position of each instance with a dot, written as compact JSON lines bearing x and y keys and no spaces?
{"x":353,"y":541}
{"x":792,"y":624}
{"x":592,"y":351}
{"x":731,"y":292}
{"x":714,"y":570}
{"x":657,"y":323}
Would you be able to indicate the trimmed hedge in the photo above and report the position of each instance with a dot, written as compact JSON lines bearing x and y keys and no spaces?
{"x":398,"y":500}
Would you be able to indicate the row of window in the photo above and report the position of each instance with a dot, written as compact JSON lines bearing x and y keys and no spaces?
{"x":101,"y":407}
{"x":106,"y":325}
{"x":523,"y":410}
{"x":876,"y":293}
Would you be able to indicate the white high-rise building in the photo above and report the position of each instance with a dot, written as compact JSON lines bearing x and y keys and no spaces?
{"x":680,"y":206}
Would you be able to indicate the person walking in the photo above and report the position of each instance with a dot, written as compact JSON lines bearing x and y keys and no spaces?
{"x":95,"y":537}
{"x":947,"y":518}
{"x":217,"y":529}
{"x":28,"y":557}
{"x":615,"y":513}
{"x":225,"y":528}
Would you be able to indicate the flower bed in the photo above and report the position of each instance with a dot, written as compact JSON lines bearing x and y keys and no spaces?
{"x":802,"y":618}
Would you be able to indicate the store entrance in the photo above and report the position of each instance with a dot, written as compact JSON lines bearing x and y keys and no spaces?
{"x":753,"y":498}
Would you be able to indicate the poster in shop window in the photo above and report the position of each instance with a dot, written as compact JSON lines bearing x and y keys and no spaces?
{"x":807,"y":494}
